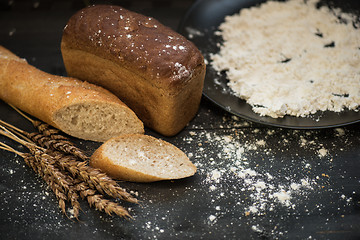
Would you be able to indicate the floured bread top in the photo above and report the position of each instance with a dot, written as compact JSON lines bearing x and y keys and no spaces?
{"x":135,"y":41}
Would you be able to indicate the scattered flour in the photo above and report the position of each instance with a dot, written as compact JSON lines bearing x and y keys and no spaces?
{"x":291,"y":58}
{"x":215,"y":175}
{"x":322,"y":152}
{"x":242,"y":175}
{"x":212,"y":218}
{"x":265,"y":190}
{"x":261,"y":192}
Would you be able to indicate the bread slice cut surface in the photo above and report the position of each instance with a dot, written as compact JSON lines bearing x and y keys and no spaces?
{"x":142,"y":158}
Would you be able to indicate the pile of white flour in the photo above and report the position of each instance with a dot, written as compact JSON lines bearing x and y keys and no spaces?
{"x":292,"y":58}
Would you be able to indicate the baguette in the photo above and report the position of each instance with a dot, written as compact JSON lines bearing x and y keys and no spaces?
{"x":157,"y":72}
{"x":78,"y":108}
{"x":141,"y":158}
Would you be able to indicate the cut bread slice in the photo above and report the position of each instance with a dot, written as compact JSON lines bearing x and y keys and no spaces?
{"x":141,"y":158}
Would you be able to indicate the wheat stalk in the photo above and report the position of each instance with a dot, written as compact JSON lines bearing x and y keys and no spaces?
{"x":58,"y":144}
{"x":99,"y":202}
{"x":92,"y":176}
{"x":67,"y":177}
{"x":44,"y":165}
{"x":63,"y":180}
{"x":31,"y":162}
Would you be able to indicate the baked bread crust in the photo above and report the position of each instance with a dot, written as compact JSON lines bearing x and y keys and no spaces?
{"x":157,"y":72}
{"x":78,"y":108}
{"x":141,"y":158}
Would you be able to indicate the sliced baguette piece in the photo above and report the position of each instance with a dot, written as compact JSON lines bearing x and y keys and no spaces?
{"x":78,"y":108}
{"x":142,"y":158}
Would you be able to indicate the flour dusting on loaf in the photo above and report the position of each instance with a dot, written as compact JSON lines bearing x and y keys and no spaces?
{"x":157,"y":72}
{"x":132,"y":37}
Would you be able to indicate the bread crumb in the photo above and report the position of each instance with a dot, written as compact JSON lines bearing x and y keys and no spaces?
{"x":322,"y":152}
{"x":212,"y":218}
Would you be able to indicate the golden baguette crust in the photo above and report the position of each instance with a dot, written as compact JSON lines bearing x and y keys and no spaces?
{"x":141,"y":158}
{"x":157,"y":72}
{"x":47,"y":96}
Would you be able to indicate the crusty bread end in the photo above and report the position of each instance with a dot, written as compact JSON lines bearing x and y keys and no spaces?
{"x":78,"y":108}
{"x":142,"y":158}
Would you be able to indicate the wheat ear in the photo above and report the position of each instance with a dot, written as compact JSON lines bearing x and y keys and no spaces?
{"x":99,"y":202}
{"x":54,"y":167}
{"x":31,"y":162}
{"x":93,"y":176}
{"x":44,"y":165}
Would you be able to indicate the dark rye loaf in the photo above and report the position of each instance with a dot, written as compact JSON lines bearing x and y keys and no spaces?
{"x":157,"y":72}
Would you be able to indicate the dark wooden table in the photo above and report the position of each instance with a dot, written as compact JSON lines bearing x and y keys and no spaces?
{"x":253,"y":181}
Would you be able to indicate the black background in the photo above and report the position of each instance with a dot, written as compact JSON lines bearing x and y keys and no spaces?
{"x":182,"y":209}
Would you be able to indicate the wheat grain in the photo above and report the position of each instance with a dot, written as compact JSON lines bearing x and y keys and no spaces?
{"x":62,"y":180}
{"x":58,"y":144}
{"x":31,"y":162}
{"x":44,"y":165}
{"x":94,"y":177}
{"x":100,"y":203}
{"x":67,"y":177}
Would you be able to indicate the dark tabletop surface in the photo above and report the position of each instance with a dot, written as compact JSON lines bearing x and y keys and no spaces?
{"x":253,"y":181}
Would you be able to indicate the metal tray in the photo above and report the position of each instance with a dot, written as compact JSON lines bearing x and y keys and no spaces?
{"x":199,"y":25}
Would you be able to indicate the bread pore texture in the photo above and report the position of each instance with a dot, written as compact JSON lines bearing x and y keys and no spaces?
{"x":157,"y":72}
{"x":142,"y":158}
{"x":89,"y":119}
{"x":78,"y":108}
